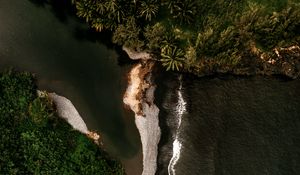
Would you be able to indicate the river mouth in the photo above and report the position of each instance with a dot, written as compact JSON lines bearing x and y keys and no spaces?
{"x":246,"y":139}
{"x":86,"y":71}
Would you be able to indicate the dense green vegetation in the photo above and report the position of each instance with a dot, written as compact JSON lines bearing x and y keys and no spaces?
{"x":193,"y":34}
{"x":33,"y":140}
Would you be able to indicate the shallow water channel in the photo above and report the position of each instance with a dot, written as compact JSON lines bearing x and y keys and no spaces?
{"x":66,"y":58}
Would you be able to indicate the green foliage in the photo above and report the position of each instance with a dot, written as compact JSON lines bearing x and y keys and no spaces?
{"x":190,"y":55}
{"x":203,"y":38}
{"x":220,"y":31}
{"x":85,"y":11}
{"x":172,"y":57}
{"x":128,"y":35}
{"x":278,"y":28}
{"x":101,"y":15}
{"x":40,"y":111}
{"x":17,"y":91}
{"x":33,"y":140}
{"x":184,"y":11}
{"x":155,"y":36}
{"x":149,"y":9}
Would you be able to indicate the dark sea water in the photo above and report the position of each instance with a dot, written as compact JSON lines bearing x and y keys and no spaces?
{"x":67,"y":58}
{"x":232,"y":126}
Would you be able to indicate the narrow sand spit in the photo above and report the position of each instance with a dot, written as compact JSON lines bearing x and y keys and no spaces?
{"x":139,"y":97}
{"x":67,"y":111}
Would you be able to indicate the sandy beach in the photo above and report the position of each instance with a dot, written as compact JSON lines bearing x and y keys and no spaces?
{"x":139,"y":97}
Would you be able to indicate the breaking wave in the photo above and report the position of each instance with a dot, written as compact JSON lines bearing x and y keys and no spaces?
{"x":177,"y":145}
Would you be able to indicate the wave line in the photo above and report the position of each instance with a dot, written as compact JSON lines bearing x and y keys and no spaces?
{"x":180,"y":110}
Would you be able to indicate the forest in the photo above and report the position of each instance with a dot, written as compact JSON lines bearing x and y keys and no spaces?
{"x":193,"y":35}
{"x":33,"y":140}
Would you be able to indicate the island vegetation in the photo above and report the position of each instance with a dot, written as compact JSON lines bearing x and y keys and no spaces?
{"x":203,"y":36}
{"x":33,"y":140}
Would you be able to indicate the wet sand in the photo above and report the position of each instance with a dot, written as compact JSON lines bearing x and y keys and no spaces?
{"x":139,"y":97}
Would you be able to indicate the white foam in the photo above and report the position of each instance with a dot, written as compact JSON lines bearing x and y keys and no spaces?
{"x":177,"y":145}
{"x":181,"y":105}
{"x":176,"y":155}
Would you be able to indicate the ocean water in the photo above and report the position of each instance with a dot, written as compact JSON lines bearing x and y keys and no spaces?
{"x":231,"y":126}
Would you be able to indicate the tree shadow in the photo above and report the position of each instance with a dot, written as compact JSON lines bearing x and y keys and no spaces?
{"x":123,"y":58}
{"x":63,"y":10}
{"x":83,"y":33}
{"x":39,"y":3}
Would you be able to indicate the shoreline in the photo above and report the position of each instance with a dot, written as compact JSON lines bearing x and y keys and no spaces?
{"x":281,"y":61}
{"x":67,"y":111}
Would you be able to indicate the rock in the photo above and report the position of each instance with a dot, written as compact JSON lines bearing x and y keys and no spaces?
{"x":288,"y":69}
{"x":137,"y":55}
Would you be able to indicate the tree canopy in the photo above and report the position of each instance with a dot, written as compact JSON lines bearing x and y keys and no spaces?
{"x":33,"y":140}
{"x":218,"y":32}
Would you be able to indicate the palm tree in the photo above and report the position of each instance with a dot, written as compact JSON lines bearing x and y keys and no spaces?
{"x":155,"y":36}
{"x":111,"y":5}
{"x":84,"y":10}
{"x":98,"y":24}
{"x":115,"y":10}
{"x":149,"y":9}
{"x":118,"y":14}
{"x":128,"y":35}
{"x":100,"y":7}
{"x":184,"y":11}
{"x":172,"y":57}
